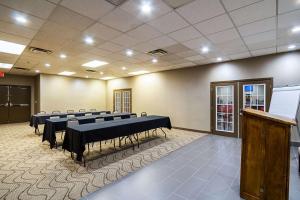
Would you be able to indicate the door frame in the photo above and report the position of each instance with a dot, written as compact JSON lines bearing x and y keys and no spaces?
{"x":237,"y":102}
{"x":120,"y":90}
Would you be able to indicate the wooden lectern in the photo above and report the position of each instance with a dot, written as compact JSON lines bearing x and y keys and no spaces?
{"x":265,"y":156}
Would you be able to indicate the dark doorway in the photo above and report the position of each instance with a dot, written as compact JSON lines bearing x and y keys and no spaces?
{"x":14,"y":103}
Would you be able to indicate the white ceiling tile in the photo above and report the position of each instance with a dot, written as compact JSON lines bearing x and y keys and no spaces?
{"x":286,"y":40}
{"x":260,"y":37}
{"x":232,"y":47}
{"x":68,"y":18}
{"x":125,"y":40}
{"x":285,"y":48}
{"x":288,"y":5}
{"x":110,"y":47}
{"x":120,"y":20}
{"x":163,"y":41}
{"x":92,"y":8}
{"x":177,"y":3}
{"x":196,"y":43}
{"x":239,"y":55}
{"x":224,"y":36}
{"x":254,"y":12}
{"x":214,"y":25}
{"x":17,"y":30}
{"x":39,"y":8}
{"x":195,"y":58}
{"x":145,"y":47}
{"x":186,"y":54}
{"x":235,"y":4}
{"x":133,"y":6}
{"x":144,"y":33}
{"x":200,"y":10}
{"x":168,"y":23}
{"x":102,"y":31}
{"x":185,"y":34}
{"x":258,"y":27}
{"x":13,"y":38}
{"x":177,"y":48}
{"x":289,"y":19}
{"x":261,"y":52}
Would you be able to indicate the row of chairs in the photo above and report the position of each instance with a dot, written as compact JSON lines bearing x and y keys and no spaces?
{"x":69,"y":111}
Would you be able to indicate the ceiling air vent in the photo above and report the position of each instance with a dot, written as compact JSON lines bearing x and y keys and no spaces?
{"x":21,"y":68}
{"x":157,"y":52}
{"x":39,"y":50}
{"x":90,"y":70}
{"x":116,"y":2}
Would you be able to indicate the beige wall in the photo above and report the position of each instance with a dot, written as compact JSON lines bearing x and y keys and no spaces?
{"x":21,"y":80}
{"x":184,"y":94}
{"x":63,"y":93}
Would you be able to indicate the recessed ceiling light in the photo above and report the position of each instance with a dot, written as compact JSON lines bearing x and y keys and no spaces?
{"x":146,"y":8}
{"x":129,"y":52}
{"x":62,"y":55}
{"x":5,"y":65}
{"x":101,"y":73}
{"x":21,"y":19}
{"x":47,"y":65}
{"x":154,"y":60}
{"x":10,"y":47}
{"x":94,"y":63}
{"x":291,"y":46}
{"x":107,"y":78}
{"x":37,"y":71}
{"x":204,"y":49}
{"x":89,"y":40}
{"x":124,"y":68}
{"x":296,"y":29}
{"x":219,"y":59}
{"x":86,"y":76}
{"x":138,"y":72}
{"x":66,"y":73}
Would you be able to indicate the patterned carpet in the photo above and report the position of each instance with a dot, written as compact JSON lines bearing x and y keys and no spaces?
{"x":30,"y":170}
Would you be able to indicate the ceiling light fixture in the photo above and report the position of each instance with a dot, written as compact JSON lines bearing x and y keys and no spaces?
{"x":62,"y":55}
{"x":204,"y":49}
{"x":66,"y":73}
{"x":129,"y":52}
{"x":21,"y":19}
{"x":219,"y":59}
{"x":10,"y":47}
{"x":154,"y":60}
{"x":138,"y":72}
{"x":47,"y":65}
{"x":5,"y":66}
{"x":292,"y":46}
{"x":107,"y":78}
{"x":37,"y":71}
{"x":94,"y":64}
{"x":146,"y":8}
{"x":101,"y":73}
{"x":86,"y":76}
{"x":296,"y":29}
{"x":124,"y":68}
{"x":89,"y":40}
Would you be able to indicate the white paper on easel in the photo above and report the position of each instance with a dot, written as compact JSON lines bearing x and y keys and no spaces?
{"x":285,"y":101}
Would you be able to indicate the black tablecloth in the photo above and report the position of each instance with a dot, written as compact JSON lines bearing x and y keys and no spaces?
{"x":35,"y":120}
{"x":77,"y":136}
{"x":60,"y":124}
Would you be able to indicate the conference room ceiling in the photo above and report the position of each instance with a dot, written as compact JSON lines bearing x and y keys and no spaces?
{"x":193,"y":32}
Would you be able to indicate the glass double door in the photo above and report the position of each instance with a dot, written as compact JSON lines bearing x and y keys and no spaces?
{"x":122,"y":100}
{"x":229,"y":98}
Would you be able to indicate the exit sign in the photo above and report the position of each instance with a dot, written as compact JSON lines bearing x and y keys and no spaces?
{"x":1,"y":74}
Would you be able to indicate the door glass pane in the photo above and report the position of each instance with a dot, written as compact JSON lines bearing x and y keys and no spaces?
{"x":126,"y":101}
{"x":254,"y":96}
{"x":225,"y":108}
{"x":117,"y":107}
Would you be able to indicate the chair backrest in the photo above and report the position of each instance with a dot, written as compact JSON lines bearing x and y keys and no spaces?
{"x":56,"y":112}
{"x":41,"y":113}
{"x":143,"y":114}
{"x":133,"y":116}
{"x":117,"y":118}
{"x":70,"y":116}
{"x":72,"y":122}
{"x":88,"y":114}
{"x":70,"y":111}
{"x":81,"y":110}
{"x":103,"y":113}
{"x":99,"y":120}
{"x":93,"y":110}
{"x":54,"y":117}
{"x":116,"y":112}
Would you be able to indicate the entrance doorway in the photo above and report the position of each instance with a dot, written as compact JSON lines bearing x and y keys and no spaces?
{"x":14,"y":103}
{"x":228,"y":98}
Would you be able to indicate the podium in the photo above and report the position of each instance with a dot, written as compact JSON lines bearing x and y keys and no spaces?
{"x":265,"y":156}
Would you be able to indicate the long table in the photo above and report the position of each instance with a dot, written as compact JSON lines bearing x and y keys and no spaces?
{"x":60,"y":124}
{"x":78,"y":135}
{"x":37,"y":119}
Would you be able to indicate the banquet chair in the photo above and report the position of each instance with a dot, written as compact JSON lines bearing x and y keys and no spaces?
{"x":143,"y":114}
{"x":88,"y":114}
{"x":70,"y":111}
{"x":115,"y":112}
{"x":133,"y":116}
{"x":56,"y":112}
{"x":103,"y":113}
{"x":71,"y":116}
{"x":41,"y":112}
{"x":81,"y":110}
{"x":116,"y":118}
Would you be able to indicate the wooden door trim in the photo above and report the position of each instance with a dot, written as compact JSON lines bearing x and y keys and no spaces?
{"x":120,"y":90}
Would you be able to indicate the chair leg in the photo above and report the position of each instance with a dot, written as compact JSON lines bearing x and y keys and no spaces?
{"x":88,"y":147}
{"x":100,"y":147}
{"x":114,"y":143}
